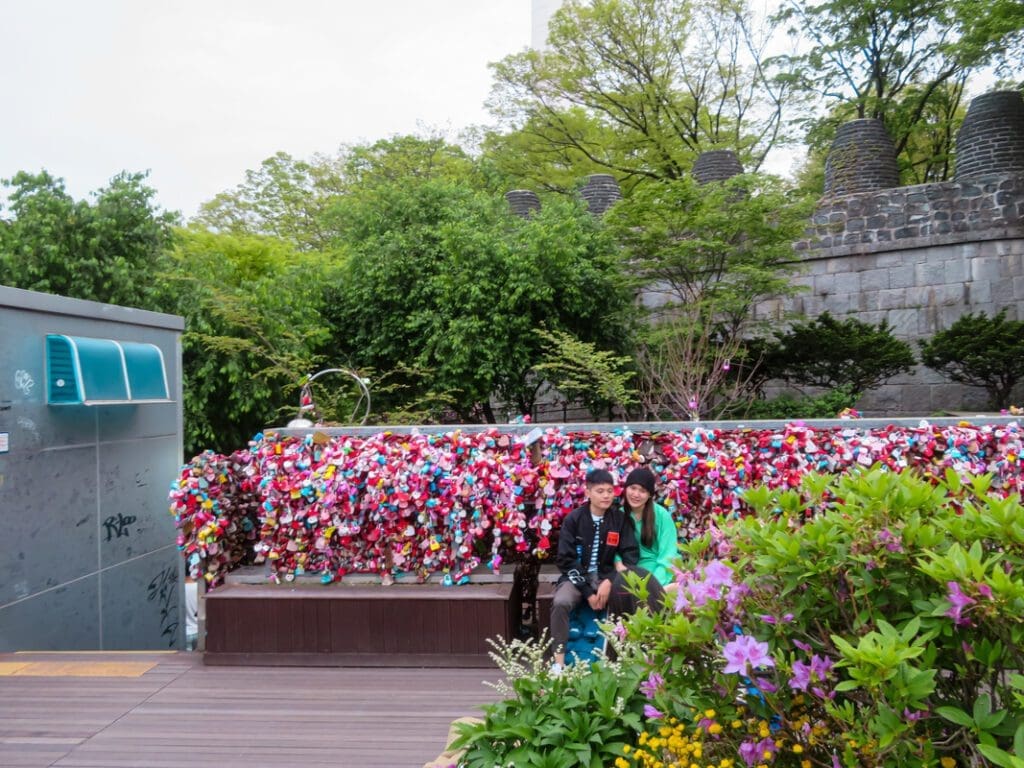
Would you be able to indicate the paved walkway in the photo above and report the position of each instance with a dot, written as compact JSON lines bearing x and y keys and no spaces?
{"x":167,"y":710}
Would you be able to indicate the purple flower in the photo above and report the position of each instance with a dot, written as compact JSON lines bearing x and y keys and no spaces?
{"x":804,"y":674}
{"x":765,"y":685}
{"x":802,"y":646}
{"x":801,"y":676}
{"x":915,"y":715}
{"x":682,"y":601}
{"x":619,"y":630}
{"x":754,"y":752}
{"x":746,"y":650}
{"x":985,"y":590}
{"x":957,"y":602}
{"x":651,"y":713}
{"x":820,"y":666}
{"x":703,"y":591}
{"x":891,"y":541}
{"x":652,"y":685}
{"x":717,"y":573}
{"x":748,"y":751}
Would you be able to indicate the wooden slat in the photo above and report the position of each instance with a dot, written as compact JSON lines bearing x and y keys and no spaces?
{"x":182,"y":713}
{"x":413,"y":624}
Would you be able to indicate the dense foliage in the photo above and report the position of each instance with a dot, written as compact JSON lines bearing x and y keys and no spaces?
{"x":441,"y":277}
{"x":833,"y":353}
{"x":980,"y":351}
{"x":107,"y":250}
{"x":872,"y":619}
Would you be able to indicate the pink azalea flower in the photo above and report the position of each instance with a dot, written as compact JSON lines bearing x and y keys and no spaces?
{"x":651,"y":713}
{"x":652,"y":685}
{"x":746,"y":650}
{"x":717,"y":573}
{"x":957,"y":602}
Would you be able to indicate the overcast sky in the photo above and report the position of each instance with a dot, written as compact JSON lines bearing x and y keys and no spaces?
{"x":199,"y":91}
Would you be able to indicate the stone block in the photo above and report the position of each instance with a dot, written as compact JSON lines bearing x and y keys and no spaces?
{"x":951,"y":294}
{"x":927,"y":273}
{"x":920,"y":296}
{"x":874,"y":280}
{"x":979,"y":293}
{"x":892,"y":298}
{"x":867,"y":301}
{"x":949,"y":314}
{"x":904,"y":322}
{"x":845,"y":282}
{"x":1018,"y":289}
{"x":986,"y":268}
{"x":901,"y":276}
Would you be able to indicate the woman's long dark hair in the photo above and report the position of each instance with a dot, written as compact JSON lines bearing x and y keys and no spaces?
{"x":647,"y":530}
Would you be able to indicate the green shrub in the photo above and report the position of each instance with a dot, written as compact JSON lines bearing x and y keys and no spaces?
{"x":887,"y":630}
{"x":871,"y":619}
{"x":980,"y":351}
{"x":826,"y":352}
{"x":583,"y":717}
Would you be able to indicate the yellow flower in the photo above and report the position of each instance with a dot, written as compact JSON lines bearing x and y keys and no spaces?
{"x":621,"y":762}
{"x":947,"y":762}
{"x":709,"y":713}
{"x":714,"y":728}
{"x":798,"y":748}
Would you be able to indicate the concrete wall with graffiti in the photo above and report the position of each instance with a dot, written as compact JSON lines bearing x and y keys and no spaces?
{"x":88,"y":558}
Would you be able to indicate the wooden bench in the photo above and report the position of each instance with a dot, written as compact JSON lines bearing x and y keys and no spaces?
{"x":357,"y":624}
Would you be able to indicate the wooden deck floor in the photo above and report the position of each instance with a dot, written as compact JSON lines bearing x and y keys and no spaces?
{"x":168,"y":710}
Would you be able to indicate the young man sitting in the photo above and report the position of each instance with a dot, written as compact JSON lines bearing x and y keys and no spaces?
{"x":591,"y":537}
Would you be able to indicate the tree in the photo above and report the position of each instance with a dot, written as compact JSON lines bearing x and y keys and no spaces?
{"x":253,"y":330}
{"x":284,"y":198}
{"x":826,"y":352}
{"x":579,"y":370}
{"x":294,"y":199}
{"x":702,"y":257}
{"x":636,"y":88}
{"x":980,"y":351}
{"x":442,"y":278}
{"x":108,"y":250}
{"x":901,"y":61}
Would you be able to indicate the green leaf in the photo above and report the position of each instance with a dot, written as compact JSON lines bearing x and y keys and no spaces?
{"x":955,"y":715}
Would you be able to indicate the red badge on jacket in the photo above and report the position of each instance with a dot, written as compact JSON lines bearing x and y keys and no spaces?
{"x":613,"y":539}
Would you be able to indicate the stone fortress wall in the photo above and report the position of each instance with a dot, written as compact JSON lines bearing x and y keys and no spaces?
{"x":918,"y":257}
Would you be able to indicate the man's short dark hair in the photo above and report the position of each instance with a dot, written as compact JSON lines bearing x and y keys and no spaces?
{"x":599,"y":477}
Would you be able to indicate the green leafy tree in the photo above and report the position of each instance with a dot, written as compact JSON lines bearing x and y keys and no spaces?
{"x":253,"y":329}
{"x":284,"y":197}
{"x":901,"y":62}
{"x":980,"y":351}
{"x":636,"y":88}
{"x":826,"y":352}
{"x":579,"y":370}
{"x":294,"y":199}
{"x":105,"y":250}
{"x":441,"y":277}
{"x":702,"y":256}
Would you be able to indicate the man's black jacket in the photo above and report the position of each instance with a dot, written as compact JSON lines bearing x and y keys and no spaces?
{"x":576,"y":539}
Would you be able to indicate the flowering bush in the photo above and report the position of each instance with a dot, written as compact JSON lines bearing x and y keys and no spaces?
{"x":886,"y":630}
{"x":583,"y":716}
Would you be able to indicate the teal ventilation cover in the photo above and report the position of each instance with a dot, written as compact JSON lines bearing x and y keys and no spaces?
{"x":84,"y":371}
